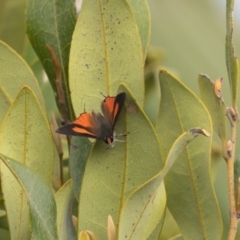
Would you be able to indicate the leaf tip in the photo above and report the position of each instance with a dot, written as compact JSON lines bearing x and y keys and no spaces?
{"x":111,"y":229}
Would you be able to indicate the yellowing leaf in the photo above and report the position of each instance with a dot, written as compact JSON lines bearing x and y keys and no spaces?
{"x":24,"y":136}
{"x":86,"y":235}
{"x":14,"y":74}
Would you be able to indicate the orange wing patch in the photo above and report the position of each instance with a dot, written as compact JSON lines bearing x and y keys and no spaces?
{"x":85,"y":120}
{"x":82,"y":126}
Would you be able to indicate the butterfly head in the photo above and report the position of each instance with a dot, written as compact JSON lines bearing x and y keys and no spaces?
{"x":110,"y":140}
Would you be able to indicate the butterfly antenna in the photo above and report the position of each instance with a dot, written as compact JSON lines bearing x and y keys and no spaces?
{"x":102,"y":94}
{"x":63,"y":122}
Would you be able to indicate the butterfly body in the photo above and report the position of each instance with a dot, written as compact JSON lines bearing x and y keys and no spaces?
{"x":97,"y":125}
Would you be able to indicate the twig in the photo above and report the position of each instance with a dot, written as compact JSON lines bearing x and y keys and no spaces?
{"x":60,"y":93}
{"x":60,"y":96}
{"x":231,"y":189}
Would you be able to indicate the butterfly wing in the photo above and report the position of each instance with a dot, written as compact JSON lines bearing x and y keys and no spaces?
{"x":111,"y":108}
{"x":84,"y":125}
{"x":96,"y":125}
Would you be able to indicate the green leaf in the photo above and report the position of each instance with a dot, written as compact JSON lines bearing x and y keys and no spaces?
{"x":143,"y":211}
{"x":106,"y":50}
{"x":4,"y":234}
{"x":79,"y":152}
{"x":5,"y":103}
{"x":231,"y":60}
{"x":14,"y":74}
{"x":2,"y":213}
{"x":189,"y":181}
{"x":152,"y":96}
{"x":157,"y":231}
{"x":148,"y":202}
{"x":142,"y":15}
{"x":236,"y":182}
{"x":64,"y":214}
{"x":40,"y":196}
{"x":215,"y":107}
{"x":34,"y":63}
{"x":12,"y":29}
{"x":111,"y":175}
{"x":26,"y":137}
{"x":52,"y":23}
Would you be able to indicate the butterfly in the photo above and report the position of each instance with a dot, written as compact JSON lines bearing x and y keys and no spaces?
{"x":98,"y":125}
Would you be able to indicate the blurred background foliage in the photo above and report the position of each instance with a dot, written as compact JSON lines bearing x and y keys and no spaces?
{"x":188,"y":37}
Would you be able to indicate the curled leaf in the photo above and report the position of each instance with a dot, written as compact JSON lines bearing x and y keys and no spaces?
{"x":197,"y":131}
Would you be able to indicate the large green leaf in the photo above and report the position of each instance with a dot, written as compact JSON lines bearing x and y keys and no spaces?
{"x":64,"y":214}
{"x":14,"y":74}
{"x":106,"y":50}
{"x":52,"y":23}
{"x":112,"y":174}
{"x":26,"y":137}
{"x":148,"y":202}
{"x":188,"y":184}
{"x":142,"y":15}
{"x":231,"y":60}
{"x":41,"y":201}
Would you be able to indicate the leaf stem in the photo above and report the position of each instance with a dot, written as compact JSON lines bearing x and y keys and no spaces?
{"x":231,"y":190}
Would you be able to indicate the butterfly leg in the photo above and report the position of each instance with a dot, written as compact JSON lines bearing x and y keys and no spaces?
{"x":122,"y":134}
{"x":118,"y":140}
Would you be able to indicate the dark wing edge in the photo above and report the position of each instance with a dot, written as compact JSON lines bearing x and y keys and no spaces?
{"x":119,"y":102}
{"x":69,"y":130}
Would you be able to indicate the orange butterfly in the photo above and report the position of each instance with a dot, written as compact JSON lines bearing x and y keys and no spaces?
{"x":97,"y":125}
